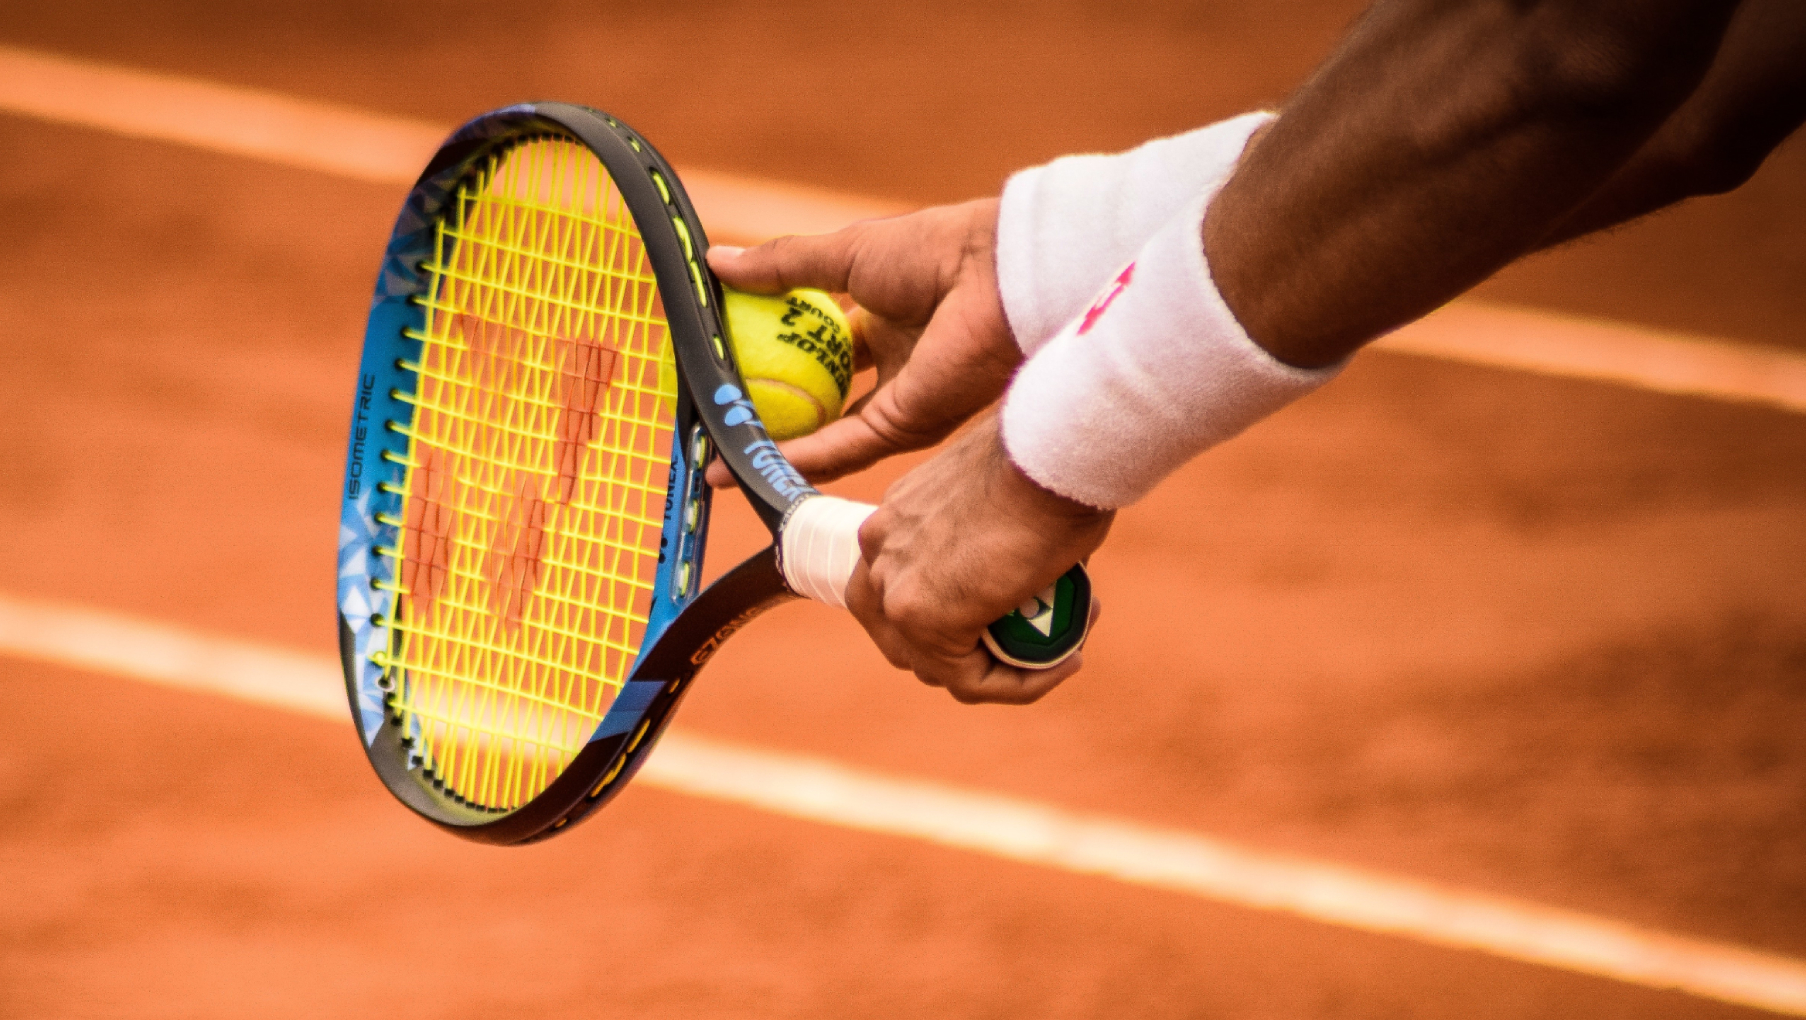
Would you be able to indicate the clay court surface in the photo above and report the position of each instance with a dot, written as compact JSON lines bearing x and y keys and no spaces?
{"x":1534,"y":637}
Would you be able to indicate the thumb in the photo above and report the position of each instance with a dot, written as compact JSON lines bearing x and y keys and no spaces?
{"x":881,"y":429}
{"x":840,"y":448}
{"x":824,"y":261}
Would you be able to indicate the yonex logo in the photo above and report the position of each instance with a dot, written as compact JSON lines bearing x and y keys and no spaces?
{"x":771,"y":465}
{"x":741,"y":410}
{"x":1038,"y":612}
{"x":766,"y":459}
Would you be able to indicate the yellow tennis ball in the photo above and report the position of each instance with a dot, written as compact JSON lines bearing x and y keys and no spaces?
{"x":795,"y":352}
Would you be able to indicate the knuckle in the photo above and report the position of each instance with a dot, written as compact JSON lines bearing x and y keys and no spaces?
{"x":764,"y":254}
{"x":872,"y":534}
{"x":910,"y":612}
{"x":780,"y":255}
{"x":894,"y":649}
{"x":838,"y":449}
{"x":932,"y":675}
{"x":896,"y":425}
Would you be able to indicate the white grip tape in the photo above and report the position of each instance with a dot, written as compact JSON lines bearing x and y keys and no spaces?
{"x":820,"y":547}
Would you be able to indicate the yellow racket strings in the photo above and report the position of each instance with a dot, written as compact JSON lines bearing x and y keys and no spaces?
{"x":536,"y":475}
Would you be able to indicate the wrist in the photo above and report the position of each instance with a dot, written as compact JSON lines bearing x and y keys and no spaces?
{"x":1012,"y":486}
{"x":1156,"y":371}
{"x":978,"y":264}
{"x":1063,"y":229}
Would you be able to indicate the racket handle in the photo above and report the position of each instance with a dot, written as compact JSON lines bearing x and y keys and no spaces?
{"x":820,"y":548}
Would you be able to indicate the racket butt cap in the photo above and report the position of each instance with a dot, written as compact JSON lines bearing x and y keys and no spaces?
{"x":1046,"y":629}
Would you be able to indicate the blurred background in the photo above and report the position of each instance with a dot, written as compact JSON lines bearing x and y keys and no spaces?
{"x":926,"y":101}
{"x":1534,"y":637}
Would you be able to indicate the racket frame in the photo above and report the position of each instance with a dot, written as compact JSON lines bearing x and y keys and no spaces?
{"x":713,"y":416}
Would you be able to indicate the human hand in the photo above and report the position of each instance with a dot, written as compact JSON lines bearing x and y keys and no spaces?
{"x":929,"y":320}
{"x":956,"y":544}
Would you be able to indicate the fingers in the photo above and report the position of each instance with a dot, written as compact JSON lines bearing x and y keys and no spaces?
{"x":849,"y":445}
{"x":898,"y":267}
{"x":929,"y":320}
{"x":881,"y":429}
{"x":864,"y":324}
{"x":979,"y":679}
{"x":950,"y":375}
{"x":845,"y":447}
{"x":718,"y":476}
{"x":822,"y":260}
{"x":917,"y":403}
{"x":972,"y":677}
{"x":970,"y":674}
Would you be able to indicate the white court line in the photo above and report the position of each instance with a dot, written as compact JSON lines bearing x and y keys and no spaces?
{"x":367,"y":146}
{"x":353,"y":143}
{"x":1008,"y":827}
{"x":1575,"y":347}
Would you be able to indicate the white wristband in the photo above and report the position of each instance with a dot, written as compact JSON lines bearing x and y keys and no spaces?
{"x":1154,"y":373}
{"x":1065,"y":228}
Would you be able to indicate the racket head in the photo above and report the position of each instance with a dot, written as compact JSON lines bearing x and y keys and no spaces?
{"x":524,"y":511}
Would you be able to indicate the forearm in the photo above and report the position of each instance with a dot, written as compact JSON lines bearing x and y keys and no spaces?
{"x":1441,"y":142}
{"x":1753,"y":97}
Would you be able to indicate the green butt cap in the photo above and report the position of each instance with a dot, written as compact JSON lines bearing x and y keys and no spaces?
{"x":1046,"y":628}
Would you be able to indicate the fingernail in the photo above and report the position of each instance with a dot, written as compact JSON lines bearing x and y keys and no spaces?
{"x":726,"y":251}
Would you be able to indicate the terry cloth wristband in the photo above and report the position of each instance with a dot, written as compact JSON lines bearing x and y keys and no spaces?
{"x":1154,"y":373}
{"x":1063,"y":229}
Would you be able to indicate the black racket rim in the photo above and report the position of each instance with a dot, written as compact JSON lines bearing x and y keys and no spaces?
{"x":714,"y":417}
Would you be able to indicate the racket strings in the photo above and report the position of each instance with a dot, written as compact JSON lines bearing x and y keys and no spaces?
{"x":535,"y":480}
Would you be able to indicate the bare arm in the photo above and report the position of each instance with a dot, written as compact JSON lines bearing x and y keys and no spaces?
{"x":1753,"y":97}
{"x":1441,"y":142}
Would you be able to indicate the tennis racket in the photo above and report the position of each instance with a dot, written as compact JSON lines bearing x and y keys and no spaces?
{"x":544,"y":379}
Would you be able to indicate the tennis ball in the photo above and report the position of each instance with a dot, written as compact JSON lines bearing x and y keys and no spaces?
{"x":795,"y":352}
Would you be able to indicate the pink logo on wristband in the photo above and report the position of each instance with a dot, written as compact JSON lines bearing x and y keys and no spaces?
{"x":1117,"y":286}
